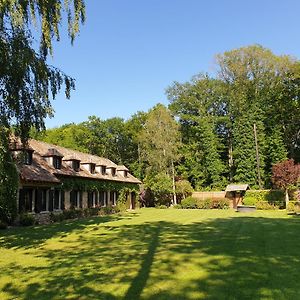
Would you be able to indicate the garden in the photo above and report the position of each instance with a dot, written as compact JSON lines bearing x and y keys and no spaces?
{"x":155,"y":254}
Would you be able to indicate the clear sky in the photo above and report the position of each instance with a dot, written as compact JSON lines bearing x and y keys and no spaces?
{"x":129,"y":51}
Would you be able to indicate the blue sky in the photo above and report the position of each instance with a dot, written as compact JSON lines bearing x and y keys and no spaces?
{"x":129,"y":52}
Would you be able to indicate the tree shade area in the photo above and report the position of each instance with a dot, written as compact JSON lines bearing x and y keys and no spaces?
{"x":231,"y":127}
{"x":155,"y":254}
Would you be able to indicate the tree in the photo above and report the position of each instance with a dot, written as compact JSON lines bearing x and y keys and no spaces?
{"x":8,"y":181}
{"x":27,"y":82}
{"x":198,"y":106}
{"x":160,"y":142}
{"x":285,"y":175}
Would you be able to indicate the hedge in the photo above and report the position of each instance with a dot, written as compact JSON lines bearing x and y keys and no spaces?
{"x":275,"y":198}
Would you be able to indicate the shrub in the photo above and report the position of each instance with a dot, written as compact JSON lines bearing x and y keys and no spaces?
{"x":250,"y":200}
{"x":3,"y":225}
{"x":27,"y":220}
{"x":70,"y":214}
{"x":265,"y":205}
{"x":57,"y":217}
{"x":203,"y":204}
{"x":189,"y":202}
{"x":177,"y":206}
{"x":294,"y":206}
{"x":221,"y":203}
{"x":120,"y":207}
{"x":107,"y":210}
{"x":161,"y":206}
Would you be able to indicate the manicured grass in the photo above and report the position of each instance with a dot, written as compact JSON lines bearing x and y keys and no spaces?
{"x":155,"y":254}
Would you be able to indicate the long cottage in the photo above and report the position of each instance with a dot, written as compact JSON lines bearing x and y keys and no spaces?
{"x":54,"y":178}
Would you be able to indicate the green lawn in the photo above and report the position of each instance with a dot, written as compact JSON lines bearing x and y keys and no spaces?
{"x":155,"y":254}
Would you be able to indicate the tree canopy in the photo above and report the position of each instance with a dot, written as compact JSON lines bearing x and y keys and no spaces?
{"x":27,"y":82}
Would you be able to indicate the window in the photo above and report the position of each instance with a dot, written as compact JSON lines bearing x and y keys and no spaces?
{"x":58,"y":200}
{"x":27,"y":157}
{"x":25,"y":200}
{"x":76,"y":165}
{"x":102,"y":198}
{"x":92,"y":168}
{"x":40,"y":200}
{"x":90,"y":199}
{"x":125,"y":173}
{"x":57,"y":162}
{"x":113,"y":171}
{"x":75,"y":199}
{"x":103,"y":169}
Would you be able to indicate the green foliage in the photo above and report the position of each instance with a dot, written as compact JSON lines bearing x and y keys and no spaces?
{"x":189,"y":202}
{"x":27,"y":82}
{"x":265,"y":195}
{"x":264,"y":205}
{"x":217,"y":115}
{"x":177,"y":206}
{"x":3,"y":225}
{"x":260,"y":198}
{"x":27,"y":220}
{"x":161,"y":206}
{"x":160,"y":140}
{"x":293,"y":206}
{"x":93,"y":185}
{"x":183,"y":188}
{"x":9,"y":180}
{"x":161,"y":188}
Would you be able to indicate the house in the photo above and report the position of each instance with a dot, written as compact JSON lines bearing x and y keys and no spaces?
{"x":54,"y":178}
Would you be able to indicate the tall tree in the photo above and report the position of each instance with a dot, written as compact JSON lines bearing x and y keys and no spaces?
{"x":160,"y":142}
{"x":198,"y":104}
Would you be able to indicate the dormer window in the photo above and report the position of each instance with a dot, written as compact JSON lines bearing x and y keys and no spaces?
{"x":57,"y":162}
{"x":103,"y":170}
{"x":27,"y":157}
{"x":111,"y":170}
{"x":89,"y":166}
{"x":54,"y":158}
{"x":92,"y":168}
{"x":76,"y":165}
{"x":123,"y":171}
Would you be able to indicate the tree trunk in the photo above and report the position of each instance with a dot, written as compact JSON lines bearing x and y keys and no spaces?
{"x":286,"y":198}
{"x":174,"y":186}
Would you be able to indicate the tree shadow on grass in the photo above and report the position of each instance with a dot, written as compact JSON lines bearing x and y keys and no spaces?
{"x":231,"y":258}
{"x":28,"y":237}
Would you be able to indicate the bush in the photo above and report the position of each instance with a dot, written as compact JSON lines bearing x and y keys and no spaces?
{"x":203,"y":204}
{"x":107,"y":210}
{"x":71,"y":214}
{"x":250,"y":200}
{"x":294,"y":206}
{"x":120,"y":207}
{"x":265,"y":205}
{"x":3,"y":225}
{"x":221,"y":203}
{"x":161,"y":206}
{"x":27,"y":220}
{"x":189,"y":202}
{"x":56,"y":217}
{"x":177,"y":206}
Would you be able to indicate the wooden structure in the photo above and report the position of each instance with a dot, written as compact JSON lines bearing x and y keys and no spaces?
{"x":235,"y":193}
